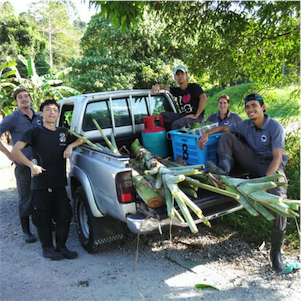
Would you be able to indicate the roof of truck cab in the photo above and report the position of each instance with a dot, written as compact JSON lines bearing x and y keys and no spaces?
{"x":107,"y":94}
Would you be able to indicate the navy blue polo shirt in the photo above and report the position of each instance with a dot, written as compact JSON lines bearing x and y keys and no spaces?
{"x":230,"y":118}
{"x":263,"y":140}
{"x":17,"y":123}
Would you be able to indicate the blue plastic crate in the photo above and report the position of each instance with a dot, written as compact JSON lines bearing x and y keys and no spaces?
{"x":186,"y":145}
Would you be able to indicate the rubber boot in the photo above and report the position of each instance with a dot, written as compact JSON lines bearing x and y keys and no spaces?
{"x":275,"y":253}
{"x":61,"y":235}
{"x":45,"y":237}
{"x":28,"y":236}
{"x":224,"y":167}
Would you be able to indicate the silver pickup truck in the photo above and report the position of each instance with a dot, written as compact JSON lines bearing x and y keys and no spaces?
{"x":100,"y":183}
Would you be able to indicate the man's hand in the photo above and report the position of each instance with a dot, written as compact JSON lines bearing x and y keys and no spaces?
{"x":36,"y":169}
{"x":68,"y":152}
{"x":202,"y":141}
{"x":192,"y":116}
{"x":156,"y":88}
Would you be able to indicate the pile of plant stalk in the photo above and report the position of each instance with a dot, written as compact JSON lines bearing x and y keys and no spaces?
{"x":163,"y":182}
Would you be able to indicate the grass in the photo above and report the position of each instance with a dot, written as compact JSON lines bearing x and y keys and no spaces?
{"x":283,"y":105}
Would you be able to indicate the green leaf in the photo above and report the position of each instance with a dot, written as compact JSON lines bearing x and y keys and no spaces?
{"x":203,"y":286}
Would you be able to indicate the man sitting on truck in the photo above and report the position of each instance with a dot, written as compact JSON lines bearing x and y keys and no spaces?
{"x":51,"y":146}
{"x":263,"y":154}
{"x":191,"y":99}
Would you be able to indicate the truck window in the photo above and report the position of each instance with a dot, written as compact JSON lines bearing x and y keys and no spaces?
{"x":100,"y":111}
{"x":66,"y":116}
{"x":160,"y":104}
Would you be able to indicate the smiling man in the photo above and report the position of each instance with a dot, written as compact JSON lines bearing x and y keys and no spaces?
{"x":191,"y":99}
{"x":51,"y":146}
{"x":17,"y":123}
{"x":262,"y":154}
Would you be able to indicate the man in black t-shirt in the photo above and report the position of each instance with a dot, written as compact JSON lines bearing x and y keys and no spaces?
{"x":50,"y":146}
{"x":191,"y":99}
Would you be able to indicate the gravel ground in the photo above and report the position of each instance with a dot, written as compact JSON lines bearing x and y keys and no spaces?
{"x":162,"y":269}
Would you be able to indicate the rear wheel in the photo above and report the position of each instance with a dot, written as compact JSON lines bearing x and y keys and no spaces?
{"x":95,"y":233}
{"x":84,"y":222}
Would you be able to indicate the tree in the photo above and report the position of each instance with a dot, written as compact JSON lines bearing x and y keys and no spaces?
{"x":63,"y":38}
{"x":227,"y":40}
{"x":18,"y":36}
{"x":111,"y":60}
{"x":6,"y":87}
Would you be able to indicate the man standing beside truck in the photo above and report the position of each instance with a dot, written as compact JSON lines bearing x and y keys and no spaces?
{"x":17,"y":123}
{"x":191,"y":99}
{"x":51,"y":146}
{"x":262,"y":155}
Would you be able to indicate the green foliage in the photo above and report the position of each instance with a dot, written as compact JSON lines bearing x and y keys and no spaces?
{"x":137,"y":59}
{"x":19,"y":36}
{"x":63,"y":38}
{"x":231,"y":41}
{"x":236,"y":94}
{"x":40,"y":87}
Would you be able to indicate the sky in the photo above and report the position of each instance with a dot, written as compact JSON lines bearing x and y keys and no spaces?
{"x":83,"y":8}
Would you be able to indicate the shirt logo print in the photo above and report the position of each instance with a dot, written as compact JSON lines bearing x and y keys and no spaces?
{"x":39,"y":122}
{"x":62,"y":137}
{"x":186,"y":98}
{"x":226,"y":122}
{"x":264,"y":138}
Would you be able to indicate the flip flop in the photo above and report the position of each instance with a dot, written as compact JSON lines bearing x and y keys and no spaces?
{"x":291,"y":265}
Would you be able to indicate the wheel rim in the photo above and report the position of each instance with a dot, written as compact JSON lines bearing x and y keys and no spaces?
{"x":83,"y":220}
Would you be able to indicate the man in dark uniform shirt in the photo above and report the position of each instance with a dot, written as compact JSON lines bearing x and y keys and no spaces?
{"x":262,"y":154}
{"x":16,"y":124}
{"x":51,"y":146}
{"x":191,"y":99}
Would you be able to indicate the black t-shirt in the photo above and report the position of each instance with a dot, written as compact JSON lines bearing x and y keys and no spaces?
{"x":189,"y":98}
{"x":48,"y":148}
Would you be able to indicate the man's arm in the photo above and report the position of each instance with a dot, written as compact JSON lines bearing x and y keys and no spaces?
{"x":157,"y":87}
{"x":202,"y":103}
{"x":204,"y":137}
{"x":71,"y":146}
{"x":17,"y":153}
{"x":7,"y":153}
{"x":277,"y":159}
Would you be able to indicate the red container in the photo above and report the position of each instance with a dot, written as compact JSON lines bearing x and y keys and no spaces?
{"x":150,"y":125}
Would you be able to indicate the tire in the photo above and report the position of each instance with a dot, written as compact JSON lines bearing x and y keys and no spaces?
{"x":84,"y":222}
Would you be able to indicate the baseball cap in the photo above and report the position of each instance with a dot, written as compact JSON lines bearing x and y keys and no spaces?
{"x":180,"y":67}
{"x":254,"y":96}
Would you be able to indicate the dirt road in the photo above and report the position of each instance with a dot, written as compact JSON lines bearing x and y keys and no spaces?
{"x":164,"y":270}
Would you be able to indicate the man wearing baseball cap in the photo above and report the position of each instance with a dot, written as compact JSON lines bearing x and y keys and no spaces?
{"x":191,"y":99}
{"x":262,"y":154}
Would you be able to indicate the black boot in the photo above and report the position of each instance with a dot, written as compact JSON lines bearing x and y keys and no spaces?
{"x":28,"y":236}
{"x":224,"y":166}
{"x":275,"y":253}
{"x":61,"y":235}
{"x":45,"y":237}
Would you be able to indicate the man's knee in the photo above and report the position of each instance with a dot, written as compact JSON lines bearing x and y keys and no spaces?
{"x":226,"y":143}
{"x":227,"y":137}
